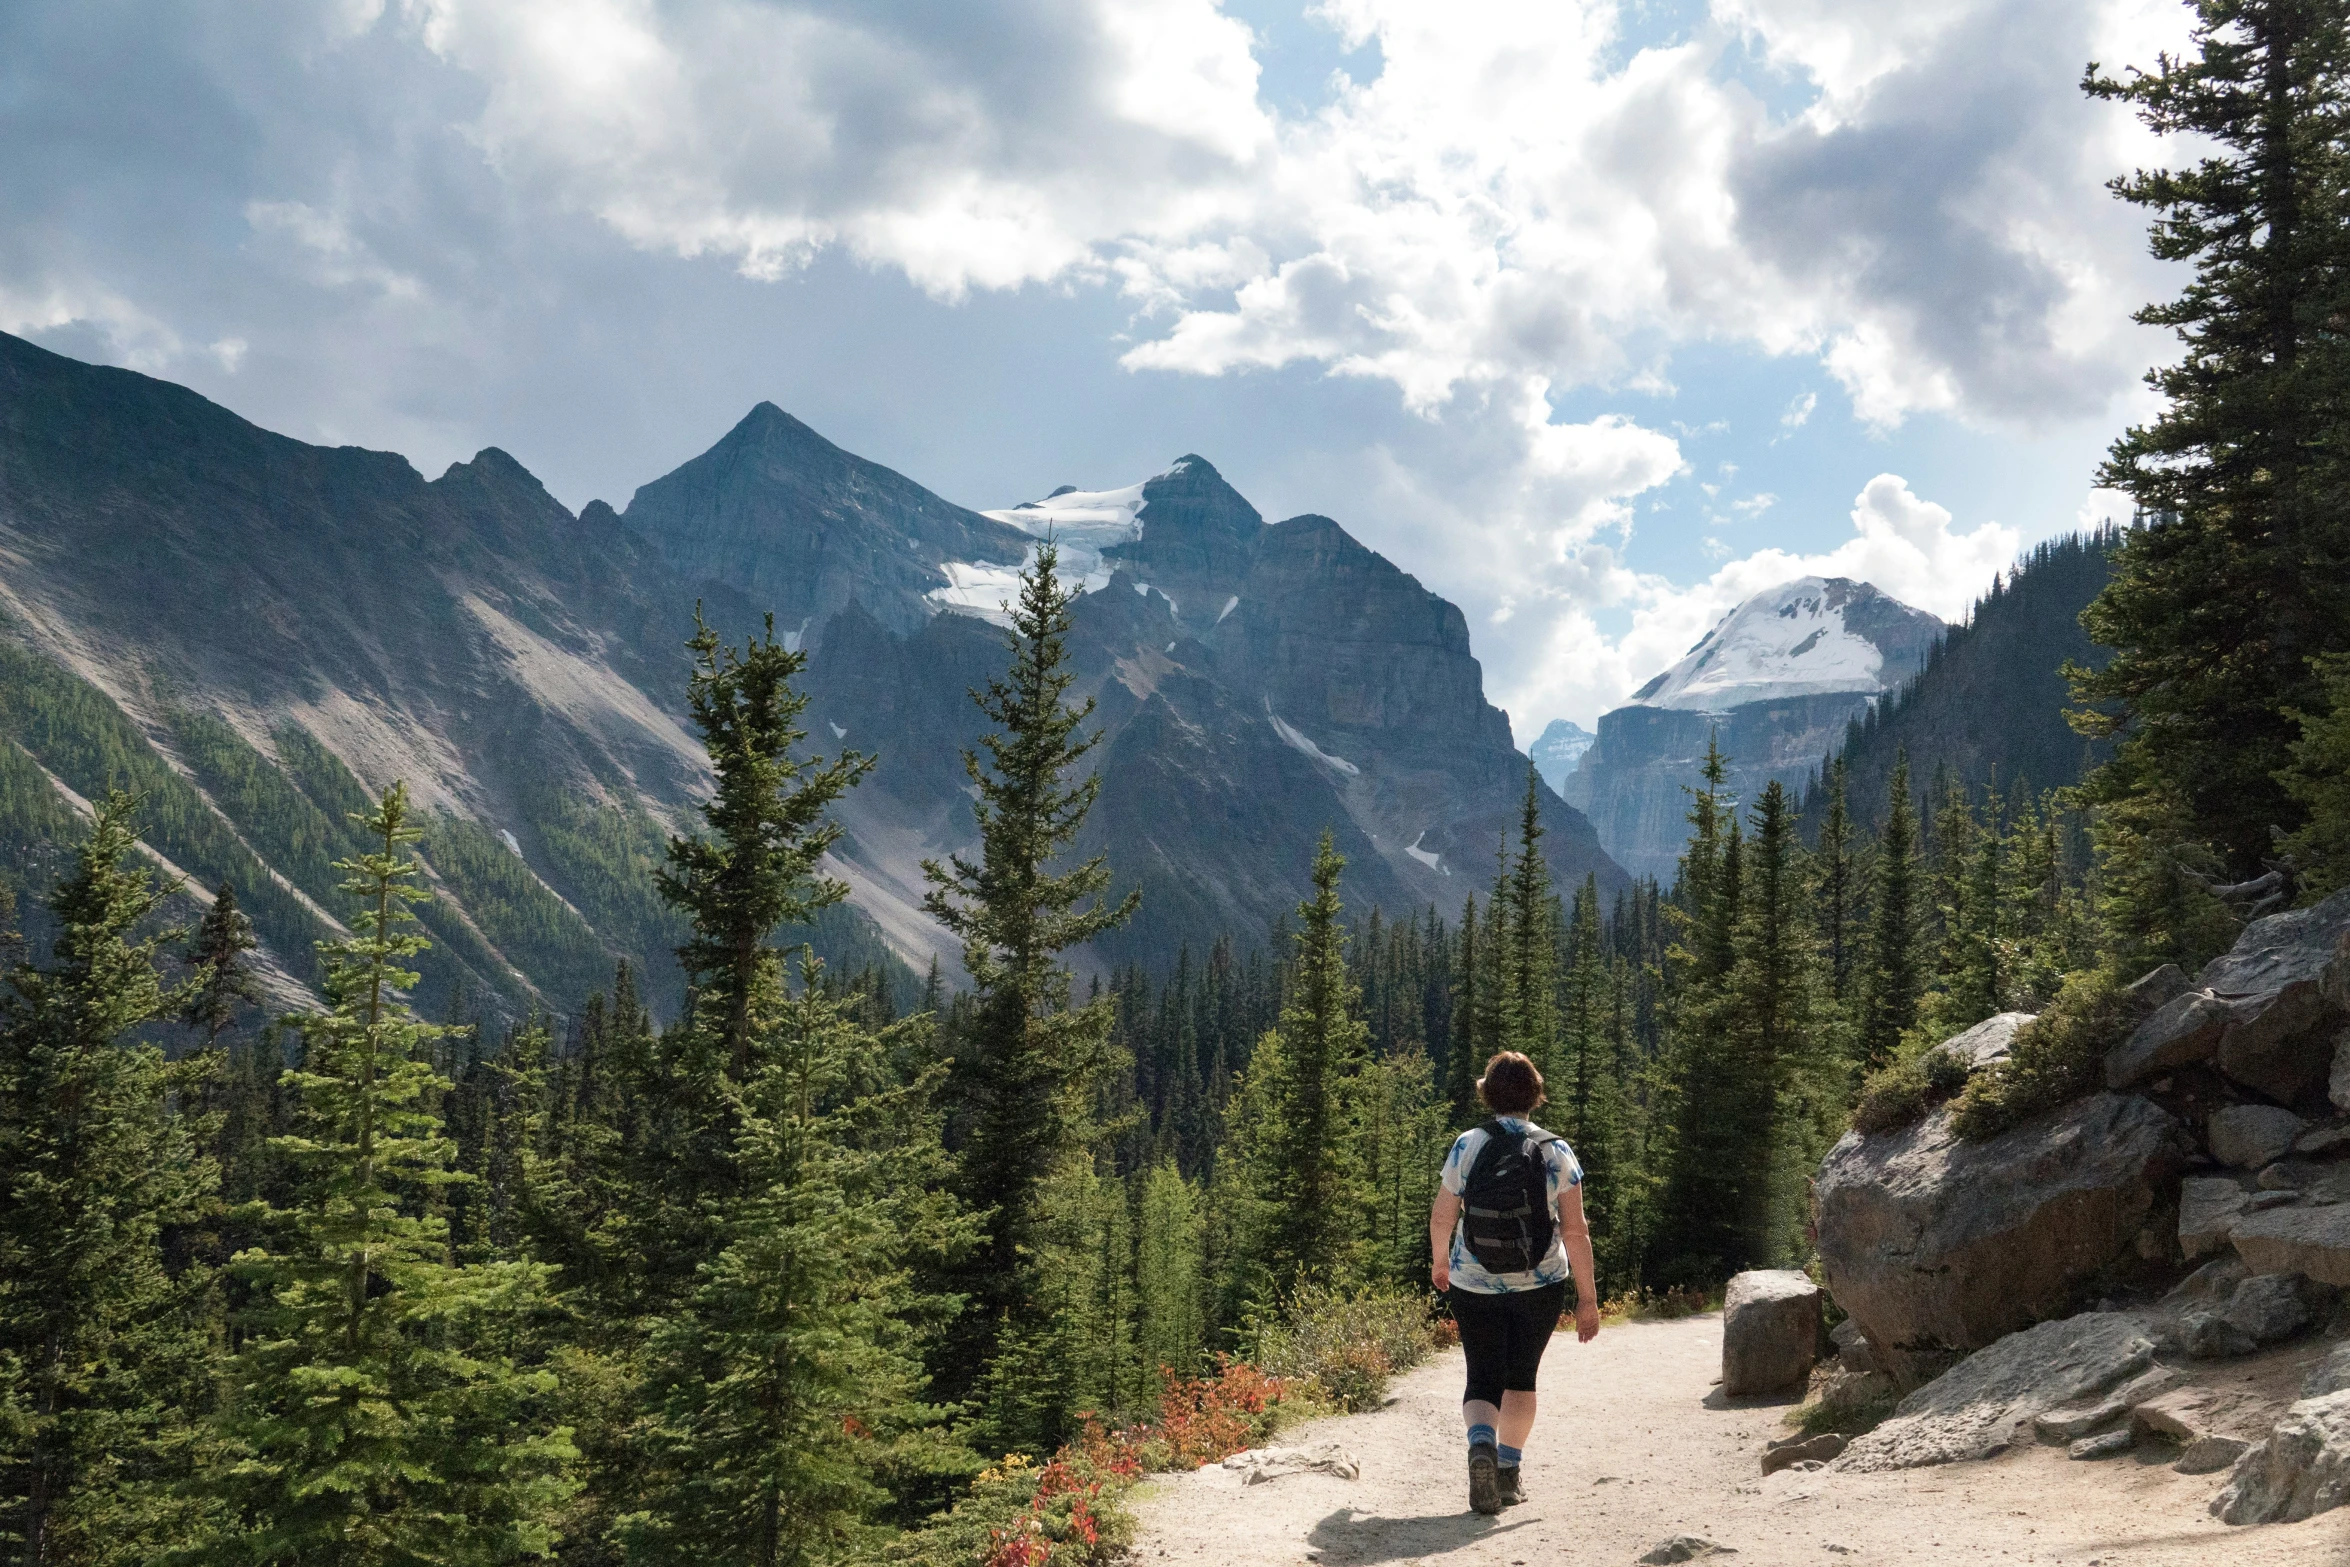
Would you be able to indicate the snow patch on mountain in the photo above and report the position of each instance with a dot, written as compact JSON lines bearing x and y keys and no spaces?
{"x":1791,"y":640}
{"x":1083,"y":524}
{"x":1296,"y":741}
{"x":1427,"y":857}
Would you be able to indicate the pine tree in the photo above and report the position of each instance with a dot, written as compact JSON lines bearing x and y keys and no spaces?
{"x":1307,"y":1169}
{"x":1462,"y":1060}
{"x":375,"y":1414}
{"x":2234,"y":580}
{"x":1783,"y":1089}
{"x":102,"y":1351}
{"x":1836,"y":890}
{"x":1029,"y":1051}
{"x":2318,"y":778}
{"x":1169,"y":1277}
{"x":1529,"y":1000}
{"x":791,"y":1380}
{"x":224,"y":984}
{"x":755,"y":868}
{"x":1700,"y":1230}
{"x":1980,"y":971}
{"x":1590,"y":1086}
{"x":1889,"y":995}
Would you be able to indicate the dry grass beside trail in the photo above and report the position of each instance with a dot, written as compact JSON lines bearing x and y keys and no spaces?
{"x":1635,"y":1444}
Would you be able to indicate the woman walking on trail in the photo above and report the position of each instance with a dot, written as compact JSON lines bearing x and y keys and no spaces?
{"x":1506,"y":1234}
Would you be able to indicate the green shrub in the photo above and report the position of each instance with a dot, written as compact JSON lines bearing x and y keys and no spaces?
{"x":1350,"y":1343}
{"x":2056,"y":1058}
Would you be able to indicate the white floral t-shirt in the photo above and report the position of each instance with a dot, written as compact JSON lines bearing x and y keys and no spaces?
{"x":1561,"y":1170}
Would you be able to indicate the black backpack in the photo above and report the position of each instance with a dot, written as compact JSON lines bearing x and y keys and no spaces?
{"x":1505,"y":1202}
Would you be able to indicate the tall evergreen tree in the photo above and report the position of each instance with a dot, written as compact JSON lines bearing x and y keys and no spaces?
{"x":755,"y":868}
{"x":1890,"y":990}
{"x":1462,"y":1060}
{"x":376,"y":1414}
{"x":1782,"y":1090}
{"x":1836,"y":890}
{"x":791,"y":1380}
{"x":1029,"y":1051}
{"x":223,"y":984}
{"x":1700,"y":1228}
{"x":1169,"y":1281}
{"x":1529,"y":948}
{"x":2238,"y":574}
{"x":102,"y":1351}
{"x":1307,"y":1170}
{"x":1590,"y":1082}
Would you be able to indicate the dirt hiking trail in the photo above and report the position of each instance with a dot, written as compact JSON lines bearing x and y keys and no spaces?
{"x":1635,"y":1444}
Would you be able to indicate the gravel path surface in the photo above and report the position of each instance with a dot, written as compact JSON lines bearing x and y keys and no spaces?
{"x":1635,"y":1445}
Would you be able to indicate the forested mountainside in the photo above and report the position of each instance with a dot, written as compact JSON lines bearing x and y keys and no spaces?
{"x":1989,"y":705}
{"x":254,"y":632}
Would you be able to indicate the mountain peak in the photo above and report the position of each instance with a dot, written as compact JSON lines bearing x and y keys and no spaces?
{"x":1809,"y":637}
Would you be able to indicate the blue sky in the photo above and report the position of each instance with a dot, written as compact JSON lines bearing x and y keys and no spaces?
{"x":1596,"y":317}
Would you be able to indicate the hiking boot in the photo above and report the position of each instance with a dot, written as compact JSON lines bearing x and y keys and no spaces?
{"x":1512,"y":1491}
{"x":1484,"y":1479}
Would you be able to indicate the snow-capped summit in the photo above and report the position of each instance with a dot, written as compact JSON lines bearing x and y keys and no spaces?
{"x":1810,"y":637}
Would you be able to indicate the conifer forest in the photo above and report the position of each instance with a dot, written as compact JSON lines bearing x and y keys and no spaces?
{"x":841,"y":1262}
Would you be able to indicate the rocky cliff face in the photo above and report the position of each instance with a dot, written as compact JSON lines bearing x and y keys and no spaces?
{"x":805,"y":529}
{"x":1256,"y":683}
{"x":1778,"y":682}
{"x":257,"y":632}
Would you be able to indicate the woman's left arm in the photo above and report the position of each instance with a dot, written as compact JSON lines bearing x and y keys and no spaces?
{"x":1576,"y":1232}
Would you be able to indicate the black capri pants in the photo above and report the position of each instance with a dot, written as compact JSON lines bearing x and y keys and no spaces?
{"x":1504,"y":1337}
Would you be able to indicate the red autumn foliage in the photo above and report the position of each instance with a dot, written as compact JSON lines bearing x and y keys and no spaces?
{"x":1200,"y":1421}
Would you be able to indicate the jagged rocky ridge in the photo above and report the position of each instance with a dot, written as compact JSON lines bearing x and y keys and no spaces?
{"x":1256,"y":682}
{"x":255,"y":631}
{"x":1777,"y":682}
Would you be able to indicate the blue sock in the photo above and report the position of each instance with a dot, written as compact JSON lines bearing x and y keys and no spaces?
{"x":1509,"y":1455}
{"x":1480,"y":1433}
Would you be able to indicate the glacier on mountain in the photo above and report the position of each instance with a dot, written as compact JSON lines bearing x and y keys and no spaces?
{"x":1790,"y":641}
{"x":1084,"y":524}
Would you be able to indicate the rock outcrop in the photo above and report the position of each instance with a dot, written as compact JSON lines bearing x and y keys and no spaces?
{"x":1939,"y":1247}
{"x":2314,"y":1241}
{"x":2250,"y":1136}
{"x":2300,"y":1468}
{"x":1988,"y":1401}
{"x":2265,"y":1014}
{"x":1770,"y":1332}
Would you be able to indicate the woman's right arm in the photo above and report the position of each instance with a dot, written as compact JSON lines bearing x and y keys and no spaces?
{"x":1441,"y":1219}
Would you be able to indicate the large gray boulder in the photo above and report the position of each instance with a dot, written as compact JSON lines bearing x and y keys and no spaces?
{"x":1987,"y":1402}
{"x":2265,"y":1012}
{"x":2209,"y":1206}
{"x":2300,"y":1468}
{"x":2308,"y":1240}
{"x":2182,"y":1032}
{"x":2249,"y":1136}
{"x":1990,"y":1040}
{"x":2286,"y":980}
{"x":1770,"y":1332}
{"x":1939,"y":1246}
